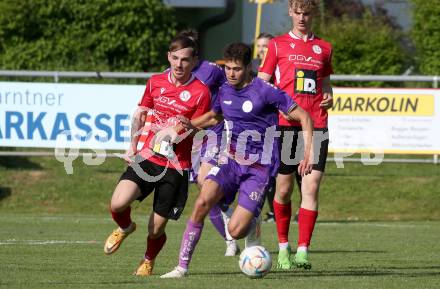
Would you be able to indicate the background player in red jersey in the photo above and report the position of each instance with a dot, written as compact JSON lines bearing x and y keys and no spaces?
{"x":301,"y":63}
{"x":160,"y":167}
{"x":262,"y":42}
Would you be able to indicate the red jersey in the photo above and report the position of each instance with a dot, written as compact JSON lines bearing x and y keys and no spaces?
{"x":299,"y":67}
{"x":191,"y":100}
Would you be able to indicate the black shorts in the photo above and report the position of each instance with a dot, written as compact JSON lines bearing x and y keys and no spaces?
{"x":290,"y":156}
{"x":169,"y":186}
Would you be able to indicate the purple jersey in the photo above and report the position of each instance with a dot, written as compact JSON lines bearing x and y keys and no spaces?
{"x":211,"y":75}
{"x":253,"y":114}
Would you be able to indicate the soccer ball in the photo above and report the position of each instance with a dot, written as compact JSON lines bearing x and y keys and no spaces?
{"x":255,"y":261}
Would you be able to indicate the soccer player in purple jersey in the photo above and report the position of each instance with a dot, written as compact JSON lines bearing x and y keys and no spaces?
{"x":213,"y":76}
{"x":251,"y":107}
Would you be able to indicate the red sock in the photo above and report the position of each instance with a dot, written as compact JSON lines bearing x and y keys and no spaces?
{"x":123,"y":218}
{"x":154,"y":246}
{"x":283,"y":213}
{"x":306,"y":224}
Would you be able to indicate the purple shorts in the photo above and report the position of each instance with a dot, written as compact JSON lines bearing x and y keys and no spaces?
{"x":207,"y":150}
{"x":249,"y":181}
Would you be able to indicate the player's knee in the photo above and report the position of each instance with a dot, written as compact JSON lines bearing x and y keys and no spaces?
{"x":116,"y":207}
{"x":154,"y":232}
{"x":236,"y":231}
{"x":233,"y":231}
{"x":201,"y":204}
{"x":284,"y":192}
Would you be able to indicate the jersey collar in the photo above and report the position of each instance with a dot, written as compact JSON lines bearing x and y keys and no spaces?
{"x":192,"y":77}
{"x":294,"y":36}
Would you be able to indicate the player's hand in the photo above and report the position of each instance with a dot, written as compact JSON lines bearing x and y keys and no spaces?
{"x":185,"y":122}
{"x":129,"y":155}
{"x":327,"y":101}
{"x":306,"y":165}
{"x":167,"y":134}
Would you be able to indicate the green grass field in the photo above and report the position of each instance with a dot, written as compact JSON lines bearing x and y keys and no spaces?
{"x":379,"y":227}
{"x":356,"y":192}
{"x":66,"y":252}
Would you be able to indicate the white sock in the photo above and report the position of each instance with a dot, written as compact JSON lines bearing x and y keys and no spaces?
{"x":283,"y":246}
{"x":181,"y":269}
{"x":302,"y":249}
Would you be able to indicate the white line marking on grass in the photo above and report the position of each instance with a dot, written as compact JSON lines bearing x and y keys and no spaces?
{"x":73,"y":219}
{"x":43,"y":242}
{"x":387,"y":225}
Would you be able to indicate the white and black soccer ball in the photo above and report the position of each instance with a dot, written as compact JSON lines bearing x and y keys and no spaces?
{"x":255,"y":261}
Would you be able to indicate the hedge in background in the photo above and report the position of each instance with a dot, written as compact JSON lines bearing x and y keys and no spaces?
{"x":426,"y":35}
{"x":364,"y":46}
{"x":105,"y":35}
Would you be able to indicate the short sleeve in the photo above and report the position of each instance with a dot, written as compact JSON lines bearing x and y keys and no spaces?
{"x":147,"y":99}
{"x":269,"y":62}
{"x":278,"y":98}
{"x":203,"y":104}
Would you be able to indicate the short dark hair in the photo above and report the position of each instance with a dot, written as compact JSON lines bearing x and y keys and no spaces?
{"x":191,"y":33}
{"x":265,"y":35}
{"x":181,"y":42}
{"x":238,"y":52}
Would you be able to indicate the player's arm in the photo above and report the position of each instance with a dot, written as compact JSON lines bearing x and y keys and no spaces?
{"x":138,"y":121}
{"x":137,"y":124}
{"x":265,"y":76}
{"x":208,"y":119}
{"x":186,"y":127}
{"x":269,"y":62}
{"x":327,"y":94}
{"x":298,"y":114}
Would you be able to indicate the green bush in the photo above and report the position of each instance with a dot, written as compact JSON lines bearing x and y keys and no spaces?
{"x":364,"y":46}
{"x":426,"y":35}
{"x":103,"y":35}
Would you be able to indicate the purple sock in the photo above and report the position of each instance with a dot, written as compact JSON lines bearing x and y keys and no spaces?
{"x":190,"y":238}
{"x":216,"y":217}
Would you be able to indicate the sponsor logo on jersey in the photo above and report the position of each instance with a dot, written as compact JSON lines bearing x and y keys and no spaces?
{"x":305,"y":81}
{"x":247,"y":106}
{"x":185,"y":95}
{"x":304,"y":59}
{"x":162,"y":90}
{"x":317,"y":49}
{"x":228,"y":102}
{"x":170,"y":102}
{"x":293,"y":57}
{"x":292,"y":45}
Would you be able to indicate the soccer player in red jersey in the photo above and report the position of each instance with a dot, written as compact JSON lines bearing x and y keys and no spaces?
{"x":160,"y":167}
{"x":301,"y":63}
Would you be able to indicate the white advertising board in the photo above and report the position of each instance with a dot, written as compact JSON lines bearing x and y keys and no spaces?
{"x":405,"y":121}
{"x":399,"y":121}
{"x":76,"y":115}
